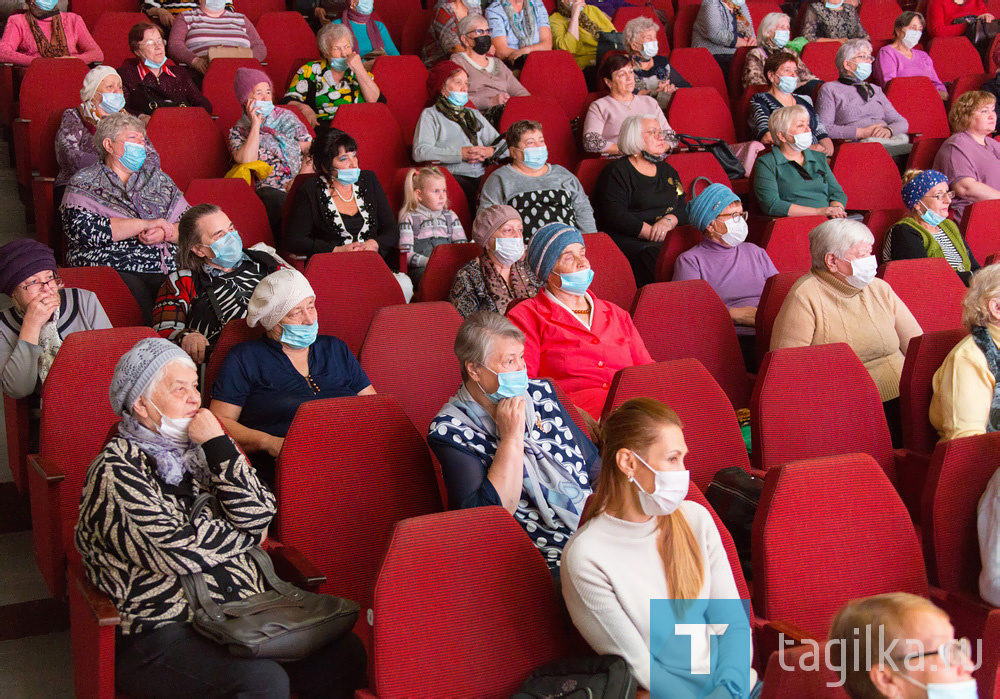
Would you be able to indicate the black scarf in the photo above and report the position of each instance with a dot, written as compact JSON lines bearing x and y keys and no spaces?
{"x":864,"y":89}
{"x":460,"y":115}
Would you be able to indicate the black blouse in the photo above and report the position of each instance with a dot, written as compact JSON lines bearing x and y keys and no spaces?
{"x":625,"y":199}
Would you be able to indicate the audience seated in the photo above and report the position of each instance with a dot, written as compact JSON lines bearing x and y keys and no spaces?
{"x":793,"y":179}
{"x":195,"y":32}
{"x":164,"y":11}
{"x":339,"y":77}
{"x":263,"y":382}
{"x":506,"y":440}
{"x":826,"y":21}
{"x":44,"y":31}
{"x":576,"y":27}
{"x":426,"y":221}
{"x":137,"y":537}
{"x":151,"y":80}
{"x":639,"y":199}
{"x":519,"y":27}
{"x":271,"y":134}
{"x":606,"y":114}
{"x":942,"y":16}
{"x":774,"y":33}
{"x":856,"y":110}
{"x":910,"y":631}
{"x":840,"y":300}
{"x":42,"y":315}
{"x":722,"y":27}
{"x":782,"y":80}
{"x":453,"y":133}
{"x":491,"y":83}
{"x":444,"y":33}
{"x":123,"y":211}
{"x":645,"y":542}
{"x":371,"y":38}
{"x":965,"y":401}
{"x":573,"y":337}
{"x":541,"y":192}
{"x":927,"y":231}
{"x":654,"y":76}
{"x":900,"y":59}
{"x":500,"y":275}
{"x":970,"y":157}
{"x":734,"y":268}
{"x":343,"y":209}
{"x":212,"y":285}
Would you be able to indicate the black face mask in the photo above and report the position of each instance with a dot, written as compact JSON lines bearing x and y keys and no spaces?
{"x":481,"y":45}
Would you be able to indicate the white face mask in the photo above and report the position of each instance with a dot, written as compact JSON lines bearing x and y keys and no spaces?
{"x":175,"y":428}
{"x":736,"y":232}
{"x":952,"y":690}
{"x":911,"y":37}
{"x":801,"y":141}
{"x":509,"y":250}
{"x":669,"y":490}
{"x":650,"y":49}
{"x":862,"y":271}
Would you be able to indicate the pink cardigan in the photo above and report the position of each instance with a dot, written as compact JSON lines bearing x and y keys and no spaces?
{"x":18,"y":43}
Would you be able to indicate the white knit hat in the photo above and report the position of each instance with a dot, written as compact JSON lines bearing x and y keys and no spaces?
{"x":275,"y":296}
{"x":93,"y":80}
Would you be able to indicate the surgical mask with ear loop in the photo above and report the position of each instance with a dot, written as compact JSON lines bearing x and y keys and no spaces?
{"x":669,"y":490}
{"x":175,"y":428}
{"x":942,"y":690}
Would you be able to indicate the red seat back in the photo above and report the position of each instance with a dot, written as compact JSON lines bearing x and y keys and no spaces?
{"x":569,"y":91}
{"x":415,"y":32}
{"x":868,"y":175}
{"x":924,"y":356}
{"x":701,"y":111}
{"x":202,"y":152}
{"x":444,"y":263}
{"x":878,"y":18}
{"x":233,"y":333}
{"x":776,"y":288}
{"x":555,"y":125}
{"x":979,"y":226}
{"x":923,"y":153}
{"x":918,"y":101}
{"x":381,"y":147}
{"x":817,"y":401}
{"x":818,"y":55}
{"x":588,"y":171}
{"x":393,"y":14}
{"x":742,"y":113}
{"x":679,"y":240}
{"x":217,"y":87}
{"x":17,"y":416}
{"x":691,"y":166}
{"x":930,"y":288}
{"x":290,"y":44}
{"x":117,"y":301}
{"x":966,"y":83}
{"x":90,"y":11}
{"x":626,"y":13}
{"x":111,"y":34}
{"x":457,"y":201}
{"x":879,"y":221}
{"x":684,"y":21}
{"x":700,"y":69}
{"x":240,"y":203}
{"x":790,"y":673}
{"x":392,"y":366}
{"x":679,"y":320}
{"x":836,"y":513}
{"x":253,"y":9}
{"x":613,"y":278}
{"x":403,"y":81}
{"x":954,"y":56}
{"x":786,"y":241}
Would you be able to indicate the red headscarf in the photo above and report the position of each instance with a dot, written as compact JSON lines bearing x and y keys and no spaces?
{"x":439,"y":75}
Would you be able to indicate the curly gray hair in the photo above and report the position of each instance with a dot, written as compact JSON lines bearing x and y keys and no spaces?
{"x":636,"y":27}
{"x":112,"y":126}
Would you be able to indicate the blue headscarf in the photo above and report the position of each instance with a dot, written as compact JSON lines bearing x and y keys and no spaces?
{"x":917,"y":188}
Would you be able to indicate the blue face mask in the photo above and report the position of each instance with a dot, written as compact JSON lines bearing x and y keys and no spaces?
{"x":348,"y":175}
{"x":458,"y":98}
{"x":133,"y":157}
{"x":536,"y":157}
{"x":781,"y":38}
{"x":833,"y":6}
{"x":863,"y":71}
{"x":228,"y":250}
{"x":299,"y":336}
{"x":932,"y":217}
{"x":46,"y":5}
{"x":154,"y":66}
{"x":787,"y":84}
{"x":338,"y":64}
{"x":512,"y":384}
{"x":265,"y":107}
{"x":577,"y":283}
{"x":112,"y":102}
{"x":365,"y":7}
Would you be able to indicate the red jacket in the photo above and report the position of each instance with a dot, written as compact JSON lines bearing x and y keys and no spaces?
{"x":940,"y":13}
{"x":581,"y":361}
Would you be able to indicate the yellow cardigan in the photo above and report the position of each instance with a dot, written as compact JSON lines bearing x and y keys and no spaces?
{"x":963,"y":390}
{"x":584,"y":49}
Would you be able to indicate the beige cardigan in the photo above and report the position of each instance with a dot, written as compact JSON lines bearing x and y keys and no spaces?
{"x":820,"y":309}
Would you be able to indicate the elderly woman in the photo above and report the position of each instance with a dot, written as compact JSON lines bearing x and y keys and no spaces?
{"x":540,"y":191}
{"x":840,"y":300}
{"x":370,"y":37}
{"x":450,"y":132}
{"x":262,"y":383}
{"x":319,"y":87}
{"x":970,"y":158}
{"x":927,"y":231}
{"x":500,"y":276}
{"x":900,"y":59}
{"x":491,"y":82}
{"x":782,"y":77}
{"x":793,"y":179}
{"x":213,"y":283}
{"x":722,"y":27}
{"x":773,"y":34}
{"x":151,"y":80}
{"x":855,"y":110}
{"x":137,"y":538}
{"x":832,"y":22}
{"x":42,"y":315}
{"x":575,"y":27}
{"x":122,"y":212}
{"x":519,"y":27}
{"x":43,"y":31}
{"x":639,"y":199}
{"x":272,"y":134}
{"x":606,"y":114}
{"x":506,"y":440}
{"x":443,"y":35}
{"x":572,"y":336}
{"x":195,"y":32}
{"x":654,"y":76}
{"x":944,"y":16}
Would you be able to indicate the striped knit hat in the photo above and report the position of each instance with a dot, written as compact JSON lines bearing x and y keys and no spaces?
{"x":548,"y":244}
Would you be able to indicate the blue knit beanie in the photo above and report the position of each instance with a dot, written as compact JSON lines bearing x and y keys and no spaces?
{"x":705,"y":207}
{"x":548,"y":244}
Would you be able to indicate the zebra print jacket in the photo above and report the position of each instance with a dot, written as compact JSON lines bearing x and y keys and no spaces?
{"x":136,"y":536}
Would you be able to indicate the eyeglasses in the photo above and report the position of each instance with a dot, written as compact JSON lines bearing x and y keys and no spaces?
{"x":953,"y":652}
{"x":479,"y":32}
{"x":662,"y":133}
{"x":733,"y":216}
{"x":56,"y":280}
{"x":153,"y":43}
{"x":942,"y":196}
{"x":864,"y":57}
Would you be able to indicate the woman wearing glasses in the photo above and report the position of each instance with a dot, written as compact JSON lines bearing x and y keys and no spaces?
{"x":491,"y":82}
{"x":926,"y":230}
{"x":970,"y":157}
{"x":43,"y":314}
{"x":443,"y":33}
{"x":151,"y":80}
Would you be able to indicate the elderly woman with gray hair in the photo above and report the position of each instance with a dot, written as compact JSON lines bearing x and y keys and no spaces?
{"x":491,"y":82}
{"x":506,"y":440}
{"x":773,"y":33}
{"x":840,"y":300}
{"x":639,"y":199}
{"x":853,"y":109}
{"x":137,"y":539}
{"x":654,"y":76}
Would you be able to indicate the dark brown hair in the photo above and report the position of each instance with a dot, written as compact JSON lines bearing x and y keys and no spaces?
{"x":776,"y":60}
{"x":138,"y":31}
{"x":188,"y":236}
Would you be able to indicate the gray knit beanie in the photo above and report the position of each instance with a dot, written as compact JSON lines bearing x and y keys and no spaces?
{"x":137,"y":367}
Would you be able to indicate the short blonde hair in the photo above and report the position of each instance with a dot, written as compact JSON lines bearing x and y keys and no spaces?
{"x":985,"y":286}
{"x":781,"y":120}
{"x":768,"y":24}
{"x":967,"y":103}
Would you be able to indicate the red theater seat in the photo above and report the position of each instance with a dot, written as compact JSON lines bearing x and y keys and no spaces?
{"x":930,"y":288}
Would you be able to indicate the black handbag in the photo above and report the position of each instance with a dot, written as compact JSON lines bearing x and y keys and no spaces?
{"x":283,"y":623}
{"x":592,"y":677}
{"x":720,"y":149}
{"x":734,"y":495}
{"x":608,"y":42}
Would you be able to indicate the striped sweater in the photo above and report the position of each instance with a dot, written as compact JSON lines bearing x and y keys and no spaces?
{"x":193,"y":33}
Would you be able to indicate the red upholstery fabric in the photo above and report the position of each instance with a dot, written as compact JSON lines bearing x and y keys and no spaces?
{"x":924,"y":356}
{"x":979,"y":226}
{"x":117,"y":301}
{"x":966,"y":83}
{"x":819,"y":57}
{"x":218,"y":88}
{"x":711,"y":431}
{"x":393,"y":14}
{"x":457,"y":202}
{"x":930,"y":289}
{"x":922,"y":155}
{"x":742,"y":112}
{"x":954,"y":56}
{"x":679,"y":240}
{"x":91,"y":10}
{"x":701,"y":111}
{"x":201,"y":154}
{"x":93,"y":645}
{"x":684,"y":20}
{"x":836,"y":513}
{"x":786,"y":241}
{"x":350,"y":287}
{"x":17,"y":416}
{"x":422,"y":381}
{"x":233,"y":333}
{"x":243,"y":207}
{"x":290,"y":43}
{"x":253,"y":9}
{"x":415,"y":32}
{"x":734,"y":81}
{"x":552,"y":116}
{"x":797,"y":681}
{"x":878,"y":17}
{"x":381,"y":147}
{"x":625,"y":13}
{"x":467,"y":586}
{"x":700,"y":69}
{"x":880,"y":221}
{"x":539,"y":77}
{"x":690,"y":166}
{"x":47,"y":227}
{"x":918,"y":101}
{"x":679,"y":320}
{"x":444,"y":263}
{"x":817,"y":401}
{"x":588,"y":171}
{"x":775,"y":290}
{"x":613,"y":278}
{"x":111,"y":34}
{"x":403,"y":81}
{"x":868,"y":175}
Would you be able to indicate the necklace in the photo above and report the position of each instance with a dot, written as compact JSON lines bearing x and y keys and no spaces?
{"x":342,"y":198}
{"x":584,"y":312}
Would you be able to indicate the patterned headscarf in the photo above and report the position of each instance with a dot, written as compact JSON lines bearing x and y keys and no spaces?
{"x":917,"y":188}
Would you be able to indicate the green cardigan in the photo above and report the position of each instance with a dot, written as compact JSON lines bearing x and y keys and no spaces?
{"x":778,"y":183}
{"x":932,"y":247}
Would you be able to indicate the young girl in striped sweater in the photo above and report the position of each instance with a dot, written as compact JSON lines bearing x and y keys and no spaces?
{"x":425,"y":221}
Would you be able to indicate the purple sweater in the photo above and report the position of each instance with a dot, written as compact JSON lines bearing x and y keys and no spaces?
{"x":890,"y":64}
{"x":842,"y":111}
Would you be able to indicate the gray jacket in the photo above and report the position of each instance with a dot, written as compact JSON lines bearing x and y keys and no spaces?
{"x":440,"y":139}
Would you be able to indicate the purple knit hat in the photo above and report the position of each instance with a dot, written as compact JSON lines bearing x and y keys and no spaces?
{"x":22,"y":259}
{"x":246,"y":80}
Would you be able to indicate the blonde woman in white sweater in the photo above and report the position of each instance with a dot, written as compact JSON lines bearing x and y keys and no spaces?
{"x":644,"y":543}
